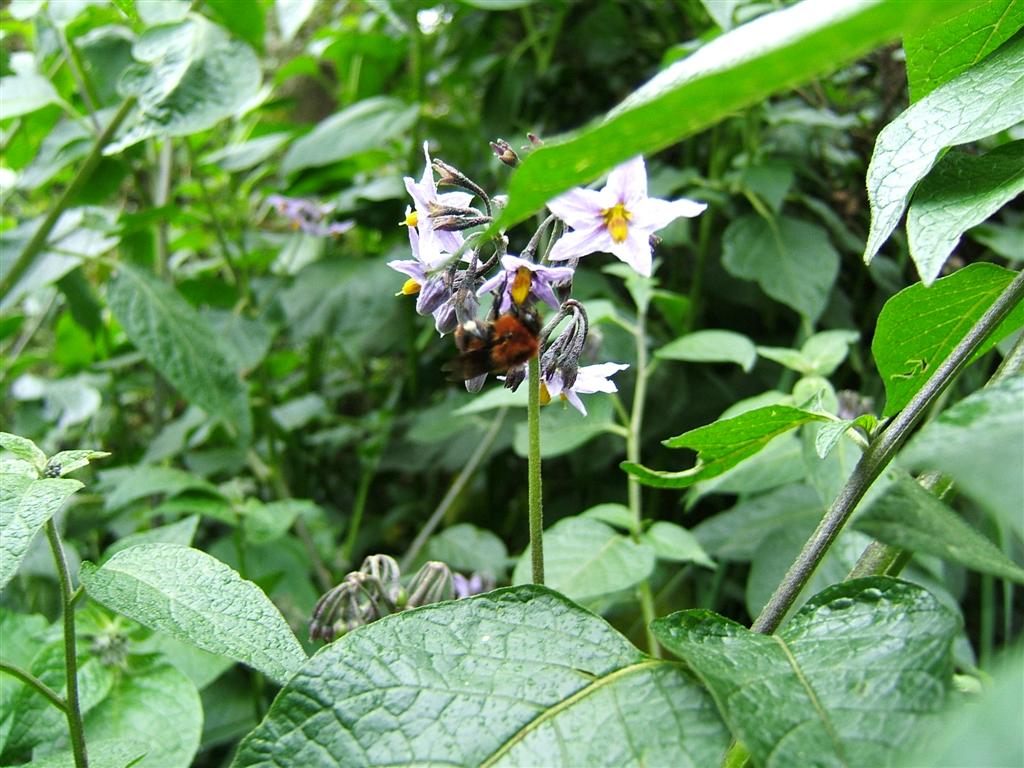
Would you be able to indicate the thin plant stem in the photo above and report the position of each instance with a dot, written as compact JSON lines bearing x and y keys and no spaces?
{"x":634,"y":427}
{"x":878,"y":455}
{"x":35,"y":245}
{"x":76,"y":727}
{"x":358,"y":507}
{"x":535,"y":502}
{"x":467,"y":471}
{"x":29,"y":679}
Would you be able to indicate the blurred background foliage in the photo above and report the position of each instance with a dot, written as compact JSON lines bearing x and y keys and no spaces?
{"x":351,"y":418}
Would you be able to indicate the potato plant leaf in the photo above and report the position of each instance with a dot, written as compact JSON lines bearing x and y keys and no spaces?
{"x":199,"y":600}
{"x":919,"y":326}
{"x":25,"y":506}
{"x":724,"y":444}
{"x":846,"y":681}
{"x":497,"y":679}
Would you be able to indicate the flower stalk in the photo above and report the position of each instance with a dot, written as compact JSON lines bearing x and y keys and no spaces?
{"x":535,"y":503}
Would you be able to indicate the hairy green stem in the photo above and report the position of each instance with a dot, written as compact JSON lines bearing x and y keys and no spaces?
{"x":634,"y":427}
{"x":73,"y":711}
{"x":358,"y":507}
{"x":877,"y":457}
{"x":536,"y":506}
{"x":467,"y":471}
{"x":35,"y":245}
{"x":42,"y":688}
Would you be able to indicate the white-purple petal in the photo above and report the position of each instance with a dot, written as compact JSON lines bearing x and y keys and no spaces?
{"x":581,"y":242}
{"x":635,"y":250}
{"x":410,"y":267}
{"x":627,"y":183}
{"x":579,"y":207}
{"x":653,"y":214}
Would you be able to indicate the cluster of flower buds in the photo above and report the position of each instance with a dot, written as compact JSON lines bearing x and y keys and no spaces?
{"x":376,"y":590}
{"x":309,"y":216}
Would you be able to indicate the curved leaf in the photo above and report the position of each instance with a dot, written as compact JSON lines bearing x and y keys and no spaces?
{"x":25,"y":506}
{"x":712,"y":346}
{"x":197,"y":599}
{"x":498,"y":679}
{"x":858,"y":668}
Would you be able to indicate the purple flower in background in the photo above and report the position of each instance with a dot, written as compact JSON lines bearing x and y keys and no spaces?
{"x":618,"y":218}
{"x":589,"y":379}
{"x":425,"y":196}
{"x":309,"y":215}
{"x":521,"y":279}
{"x":474,"y":584}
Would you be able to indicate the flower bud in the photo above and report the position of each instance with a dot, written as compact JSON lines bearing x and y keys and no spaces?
{"x":384,"y":569}
{"x":514,"y":377}
{"x":351,"y":604}
{"x":458,"y":223}
{"x":445,"y":320}
{"x":432,"y":295}
{"x":431,"y":584}
{"x":504,"y":152}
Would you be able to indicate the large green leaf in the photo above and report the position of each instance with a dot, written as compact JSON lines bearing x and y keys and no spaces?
{"x":793,"y":261}
{"x":909,"y":517}
{"x":176,"y":341}
{"x":846,"y":683}
{"x":159,"y":707}
{"x":978,"y":442}
{"x":25,"y":506}
{"x":711,"y":346}
{"x":519,"y":676}
{"x":937,"y":56}
{"x":188,"y":76}
{"x":24,"y":449}
{"x":919,"y":326}
{"x":740,"y":68}
{"x":961,"y":191}
{"x":24,"y":94}
{"x":981,"y":101}
{"x":584,"y":559}
{"x":103,"y":753}
{"x":724,"y":444}
{"x":197,"y":599}
{"x":369,"y":124}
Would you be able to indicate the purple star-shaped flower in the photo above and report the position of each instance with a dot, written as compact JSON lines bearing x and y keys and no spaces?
{"x":589,"y":379}
{"x":308,"y":215}
{"x":618,"y":219}
{"x":424,"y":195}
{"x":525,"y":280}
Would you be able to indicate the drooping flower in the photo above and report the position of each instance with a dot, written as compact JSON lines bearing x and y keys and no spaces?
{"x":589,"y":379}
{"x":521,"y":280}
{"x":425,"y":196}
{"x":309,"y":215}
{"x":618,"y":219}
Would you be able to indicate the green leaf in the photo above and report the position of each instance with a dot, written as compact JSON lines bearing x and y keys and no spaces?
{"x":981,"y":101}
{"x":919,"y":326}
{"x":137,"y":482}
{"x":564,"y":429}
{"x":242,"y":157}
{"x":674,"y":543}
{"x":181,"y":532}
{"x":978,"y":443}
{"x":909,"y":517}
{"x":244,"y":18}
{"x":469,"y":549}
{"x":368,"y":124}
{"x":494,"y":680}
{"x":848,"y":680}
{"x":711,"y":347}
{"x":23,"y":448}
{"x":793,"y":261}
{"x":25,"y":506}
{"x":584,"y":559}
{"x":291,"y":15}
{"x":961,"y":191}
{"x":736,"y":533}
{"x":829,"y":435}
{"x":68,"y":461}
{"x":24,"y":94}
{"x":175,"y":340}
{"x":103,"y":753}
{"x":615,"y":515}
{"x":159,"y":707}
{"x":188,"y":76}
{"x":199,"y":600}
{"x":264,"y":523}
{"x":737,"y":69}
{"x":724,"y":444}
{"x":942,"y":53}
{"x":820,"y":355}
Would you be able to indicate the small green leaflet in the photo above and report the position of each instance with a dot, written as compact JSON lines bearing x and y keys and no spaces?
{"x":724,"y":444}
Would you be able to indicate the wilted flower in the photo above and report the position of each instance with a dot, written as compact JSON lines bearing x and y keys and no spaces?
{"x":618,"y":219}
{"x":431,"y":584}
{"x":521,"y":280}
{"x":589,"y":379}
{"x":309,"y":215}
{"x":425,"y":196}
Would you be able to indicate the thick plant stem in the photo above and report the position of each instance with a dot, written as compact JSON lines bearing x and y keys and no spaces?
{"x":536,"y":508}
{"x":877,"y":457}
{"x":457,"y":485}
{"x":636,"y":420}
{"x":29,"y":679}
{"x":76,"y":727}
{"x":35,"y":245}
